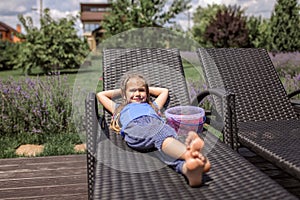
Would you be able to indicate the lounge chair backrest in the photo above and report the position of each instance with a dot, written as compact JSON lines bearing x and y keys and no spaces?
{"x":162,"y":67}
{"x":251,"y":76}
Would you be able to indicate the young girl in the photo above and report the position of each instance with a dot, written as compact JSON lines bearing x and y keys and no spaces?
{"x":138,"y":121}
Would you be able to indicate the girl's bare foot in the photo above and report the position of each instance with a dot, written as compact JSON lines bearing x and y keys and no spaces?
{"x":193,"y":170}
{"x":194,"y":146}
{"x":194,"y":142}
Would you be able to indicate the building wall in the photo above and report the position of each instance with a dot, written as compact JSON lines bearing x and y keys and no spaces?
{"x":91,"y":16}
{"x":9,"y":34}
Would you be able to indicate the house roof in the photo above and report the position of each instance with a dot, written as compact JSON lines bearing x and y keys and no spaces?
{"x":5,"y":27}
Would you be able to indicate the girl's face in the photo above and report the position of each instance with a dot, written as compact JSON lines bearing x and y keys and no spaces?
{"x":136,"y":91}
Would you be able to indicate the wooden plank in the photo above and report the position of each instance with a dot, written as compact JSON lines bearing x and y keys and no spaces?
{"x":55,"y":177}
{"x":79,"y":196}
{"x":42,"y":167}
{"x":40,"y":191}
{"x":13,"y":161}
{"x":45,"y":165}
{"x":42,"y":173}
{"x":41,"y":181}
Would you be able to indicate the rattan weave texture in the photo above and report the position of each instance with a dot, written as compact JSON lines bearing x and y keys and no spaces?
{"x":266,"y":120}
{"x":231,"y":176}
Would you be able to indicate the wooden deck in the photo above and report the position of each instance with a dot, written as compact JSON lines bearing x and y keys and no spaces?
{"x":55,"y":177}
{"x":65,"y":177}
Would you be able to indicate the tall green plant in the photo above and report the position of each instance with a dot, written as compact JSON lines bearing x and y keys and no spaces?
{"x":55,"y":45}
{"x":259,"y":32}
{"x":285,"y":26}
{"x":8,"y":52}
{"x":130,"y":14}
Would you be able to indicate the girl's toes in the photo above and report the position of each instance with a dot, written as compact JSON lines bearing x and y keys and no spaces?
{"x":197,"y":144}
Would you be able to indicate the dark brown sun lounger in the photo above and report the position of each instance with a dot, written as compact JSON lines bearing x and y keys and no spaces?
{"x":117,"y":172}
{"x":263,"y":118}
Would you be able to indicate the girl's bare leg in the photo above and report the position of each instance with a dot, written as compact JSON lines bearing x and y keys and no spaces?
{"x":177,"y":149}
{"x":190,"y":152}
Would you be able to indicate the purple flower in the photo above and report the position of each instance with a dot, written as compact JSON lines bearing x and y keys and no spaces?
{"x":6,"y":90}
{"x":281,"y":60}
{"x":18,"y":88}
{"x":30,"y":83}
{"x":297,"y":77}
{"x":44,"y":104}
{"x":39,"y":105}
{"x":34,"y":130}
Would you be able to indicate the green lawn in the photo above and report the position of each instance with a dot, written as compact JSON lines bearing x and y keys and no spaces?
{"x":191,"y":72}
{"x":18,"y":74}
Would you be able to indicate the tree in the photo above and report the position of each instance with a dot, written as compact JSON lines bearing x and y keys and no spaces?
{"x":259,"y":32}
{"x":54,"y":46}
{"x":130,"y":14}
{"x":8,"y":52}
{"x":285,"y":26}
{"x":201,"y":19}
{"x":228,"y":28}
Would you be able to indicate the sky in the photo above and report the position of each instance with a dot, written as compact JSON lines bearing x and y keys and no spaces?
{"x":9,"y":10}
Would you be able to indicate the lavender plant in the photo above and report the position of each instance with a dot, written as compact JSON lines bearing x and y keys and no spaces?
{"x":195,"y":88}
{"x":36,"y":106}
{"x":290,"y":82}
{"x":288,"y":68}
{"x":286,"y":63}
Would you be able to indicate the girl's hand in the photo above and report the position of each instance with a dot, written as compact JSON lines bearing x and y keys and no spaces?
{"x":105,"y":98}
{"x":161,"y":94}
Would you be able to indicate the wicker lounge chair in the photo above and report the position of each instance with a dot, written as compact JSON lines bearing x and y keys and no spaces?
{"x":263,"y":118}
{"x":117,"y":172}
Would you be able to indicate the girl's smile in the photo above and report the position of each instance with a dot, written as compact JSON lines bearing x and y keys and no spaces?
{"x":136,"y":91}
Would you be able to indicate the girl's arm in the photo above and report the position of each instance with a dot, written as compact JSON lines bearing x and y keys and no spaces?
{"x":105,"y":98}
{"x":161,"y":95}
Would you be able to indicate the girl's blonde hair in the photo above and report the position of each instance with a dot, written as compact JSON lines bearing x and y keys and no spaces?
{"x":114,"y":125}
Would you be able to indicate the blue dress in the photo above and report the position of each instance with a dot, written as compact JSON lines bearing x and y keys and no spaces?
{"x":144,"y":130}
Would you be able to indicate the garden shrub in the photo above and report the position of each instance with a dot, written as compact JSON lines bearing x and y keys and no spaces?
{"x":8,"y":52}
{"x":290,"y":82}
{"x":36,"y":106}
{"x":287,"y":66}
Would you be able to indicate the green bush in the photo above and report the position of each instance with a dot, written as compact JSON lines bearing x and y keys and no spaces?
{"x":8,"y":52}
{"x":53,"y":46}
